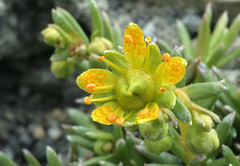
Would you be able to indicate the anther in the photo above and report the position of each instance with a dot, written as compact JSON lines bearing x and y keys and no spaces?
{"x":162,"y":89}
{"x":112,"y":116}
{"x":101,"y":58}
{"x":90,"y":87}
{"x":120,"y":121}
{"x":87,"y":100}
{"x":128,"y":39}
{"x":148,"y":39}
{"x":145,"y":111}
{"x":166,"y":57}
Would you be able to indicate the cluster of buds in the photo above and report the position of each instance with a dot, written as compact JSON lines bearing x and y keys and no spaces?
{"x":72,"y":46}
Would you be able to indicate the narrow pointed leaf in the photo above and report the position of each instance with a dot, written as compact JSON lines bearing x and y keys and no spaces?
{"x":75,"y":26}
{"x":229,"y":57}
{"x":32,"y":161}
{"x":229,"y":156}
{"x":107,"y":27}
{"x":5,"y":161}
{"x":80,"y":118}
{"x":80,"y":141}
{"x":202,"y":45}
{"x":96,"y":19}
{"x":96,"y":160}
{"x":117,"y":36}
{"x":52,"y":157}
{"x":219,"y":30}
{"x":185,"y":40}
{"x":164,"y":46}
{"x":181,"y":112}
{"x":232,"y":33}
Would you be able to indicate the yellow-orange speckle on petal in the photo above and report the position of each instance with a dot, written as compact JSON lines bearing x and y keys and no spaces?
{"x":151,"y":114}
{"x":102,"y":113}
{"x":134,"y":45}
{"x":171,"y":72}
{"x":120,"y":121}
{"x":93,"y":79}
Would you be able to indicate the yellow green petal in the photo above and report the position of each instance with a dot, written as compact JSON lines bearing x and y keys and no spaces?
{"x":97,"y":80}
{"x":134,"y":45}
{"x":171,"y":72}
{"x":149,"y":113}
{"x":103,"y":113}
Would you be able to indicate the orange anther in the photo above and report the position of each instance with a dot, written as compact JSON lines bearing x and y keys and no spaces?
{"x":90,"y":87}
{"x":128,"y":38}
{"x":145,"y":111}
{"x":112,"y":117}
{"x":120,"y":121}
{"x":101,"y":58}
{"x":87,"y":100}
{"x":166,"y":57}
{"x":148,"y":39}
{"x":162,"y":89}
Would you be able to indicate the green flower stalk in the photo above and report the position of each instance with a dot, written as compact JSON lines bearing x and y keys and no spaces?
{"x":139,"y":86}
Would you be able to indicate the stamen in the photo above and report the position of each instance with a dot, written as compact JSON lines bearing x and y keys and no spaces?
{"x":87,"y":100}
{"x":90,"y":87}
{"x":105,"y":98}
{"x":148,"y":39}
{"x":101,"y":58}
{"x":166,"y":57}
{"x":145,"y":111}
{"x":121,"y":70}
{"x":162,"y":89}
{"x":128,"y":38}
{"x":112,"y":117}
{"x":107,"y":87}
{"x":120,"y":121}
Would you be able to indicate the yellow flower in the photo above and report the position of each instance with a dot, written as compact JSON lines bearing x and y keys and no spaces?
{"x":139,"y":84}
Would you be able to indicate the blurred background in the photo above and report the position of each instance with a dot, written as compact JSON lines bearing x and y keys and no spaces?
{"x":32,"y":101}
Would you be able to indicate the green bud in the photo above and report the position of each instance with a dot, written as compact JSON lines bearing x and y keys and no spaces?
{"x":52,"y":37}
{"x":81,"y":50}
{"x":166,"y":99}
{"x":157,"y":147}
{"x":153,"y":130}
{"x":61,"y":69}
{"x":99,"y":45}
{"x":207,"y":121}
{"x":200,"y":142}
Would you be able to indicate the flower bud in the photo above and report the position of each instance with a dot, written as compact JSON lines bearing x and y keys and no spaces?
{"x":52,"y":37}
{"x":200,"y":142}
{"x":99,"y":45}
{"x":208,"y":122}
{"x":153,"y":130}
{"x":157,"y":147}
{"x":61,"y":69}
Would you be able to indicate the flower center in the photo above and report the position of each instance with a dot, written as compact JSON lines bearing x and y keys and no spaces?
{"x":134,"y":90}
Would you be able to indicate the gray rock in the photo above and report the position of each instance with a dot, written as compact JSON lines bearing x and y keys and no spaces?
{"x":192,"y":22}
